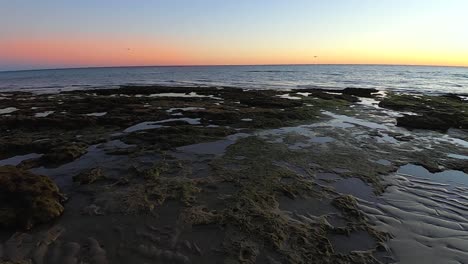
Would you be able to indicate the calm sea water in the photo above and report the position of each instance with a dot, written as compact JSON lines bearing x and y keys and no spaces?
{"x":399,"y":78}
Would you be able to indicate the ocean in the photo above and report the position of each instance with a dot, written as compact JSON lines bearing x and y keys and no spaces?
{"x":419,"y":79}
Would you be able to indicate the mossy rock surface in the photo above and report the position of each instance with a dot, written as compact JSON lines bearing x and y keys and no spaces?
{"x":27,"y":199}
{"x":65,"y":154}
{"x":430,"y":112}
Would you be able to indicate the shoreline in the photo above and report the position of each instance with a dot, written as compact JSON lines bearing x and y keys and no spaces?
{"x":234,"y":65}
{"x":85,"y":88}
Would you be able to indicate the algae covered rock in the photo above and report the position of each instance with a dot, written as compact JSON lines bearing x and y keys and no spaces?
{"x":89,"y":176}
{"x":425,"y":121}
{"x":65,"y":154}
{"x":429,"y":112}
{"x":27,"y":199}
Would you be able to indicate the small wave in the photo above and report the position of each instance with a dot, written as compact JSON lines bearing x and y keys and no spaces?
{"x":310,"y":86}
{"x":460,"y":75}
{"x":274,"y":71}
{"x":334,"y":74}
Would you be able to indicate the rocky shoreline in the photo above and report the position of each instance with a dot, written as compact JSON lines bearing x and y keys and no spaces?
{"x":213,"y":175}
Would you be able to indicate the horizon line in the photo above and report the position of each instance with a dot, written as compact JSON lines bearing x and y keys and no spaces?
{"x":234,"y":65}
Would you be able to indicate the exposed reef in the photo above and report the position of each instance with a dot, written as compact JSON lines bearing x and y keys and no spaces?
{"x":429,"y":112}
{"x":218,"y":174}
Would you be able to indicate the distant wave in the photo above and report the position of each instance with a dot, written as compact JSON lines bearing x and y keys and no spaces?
{"x":273,"y":71}
{"x":460,"y":75}
{"x":396,"y":78}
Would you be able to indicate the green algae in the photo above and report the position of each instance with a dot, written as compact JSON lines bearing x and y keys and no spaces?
{"x":89,"y":176}
{"x":148,"y":189}
{"x":171,"y":137}
{"x":252,"y":217}
{"x":27,"y":199}
{"x":256,"y":227}
{"x":433,"y":112}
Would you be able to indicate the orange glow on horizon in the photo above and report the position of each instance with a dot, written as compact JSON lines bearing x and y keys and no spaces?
{"x":100,"y":51}
{"x":90,"y":51}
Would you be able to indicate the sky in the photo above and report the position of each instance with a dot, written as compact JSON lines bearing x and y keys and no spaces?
{"x":87,"y":33}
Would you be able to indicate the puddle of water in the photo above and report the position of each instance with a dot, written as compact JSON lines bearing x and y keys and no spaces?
{"x":355,"y":121}
{"x":18,"y":159}
{"x":356,"y":241}
{"x":95,"y":157}
{"x":157,"y":124}
{"x":8,"y":110}
{"x":355,"y":187}
{"x":44,"y":114}
{"x":185,"y":109}
{"x":452,"y":177}
{"x":327,"y":176}
{"x":385,"y":138}
{"x":287,"y":96}
{"x":142,"y":126}
{"x":191,"y":121}
{"x":97,"y":114}
{"x":457,"y":156}
{"x":211,"y":148}
{"x":370,"y":102}
{"x":189,"y":95}
{"x":117,"y":143}
{"x":304,"y":94}
{"x":456,"y":141}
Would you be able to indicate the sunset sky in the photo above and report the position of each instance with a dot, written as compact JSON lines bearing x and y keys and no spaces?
{"x":53,"y":34}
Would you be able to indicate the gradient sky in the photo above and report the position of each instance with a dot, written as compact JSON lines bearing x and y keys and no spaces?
{"x":66,"y":33}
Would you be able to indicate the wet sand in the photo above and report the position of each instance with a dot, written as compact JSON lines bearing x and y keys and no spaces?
{"x":222,"y":175}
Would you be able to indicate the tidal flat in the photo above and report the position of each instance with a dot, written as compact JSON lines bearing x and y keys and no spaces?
{"x":149,"y":174}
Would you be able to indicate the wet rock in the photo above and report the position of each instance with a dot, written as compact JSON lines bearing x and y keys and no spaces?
{"x":64,"y":154}
{"x":348,"y":205}
{"x":425,"y":122}
{"x":361,"y":92}
{"x":453,"y":97}
{"x":329,"y":95}
{"x":432,"y":112}
{"x":89,"y":176}
{"x":27,"y":199}
{"x":171,"y":137}
{"x":270,"y":102}
{"x":349,"y":98}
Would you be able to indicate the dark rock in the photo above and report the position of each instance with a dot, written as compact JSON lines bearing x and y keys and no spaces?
{"x":271,"y":102}
{"x":433,"y":112}
{"x":362,"y":92}
{"x":349,"y":98}
{"x":453,"y":97}
{"x":424,"y":122}
{"x":27,"y":199}
{"x":64,"y":154}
